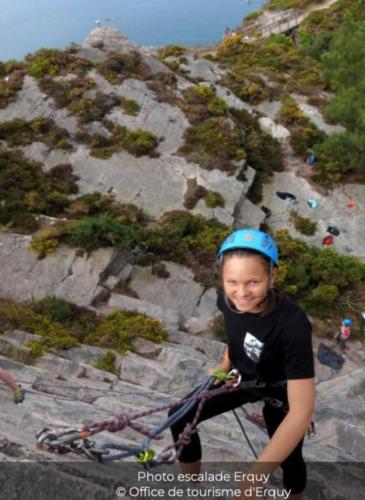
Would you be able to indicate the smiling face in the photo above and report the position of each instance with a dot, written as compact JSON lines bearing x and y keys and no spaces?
{"x":246,"y":282}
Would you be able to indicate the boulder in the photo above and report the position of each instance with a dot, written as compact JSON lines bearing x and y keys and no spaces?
{"x":179,"y":292}
{"x":109,"y":39}
{"x":168,"y":317}
{"x":64,"y":273}
{"x":276,"y":130}
{"x":32,"y":103}
{"x":201,"y":69}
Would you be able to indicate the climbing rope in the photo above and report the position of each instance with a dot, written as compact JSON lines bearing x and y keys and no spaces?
{"x":76,"y":440}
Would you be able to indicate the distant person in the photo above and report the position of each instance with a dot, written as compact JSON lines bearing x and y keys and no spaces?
{"x":227,"y":33}
{"x":311,"y":160}
{"x":343,"y":334}
{"x":18,"y":392}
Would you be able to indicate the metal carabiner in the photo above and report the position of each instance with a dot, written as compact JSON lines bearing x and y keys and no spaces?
{"x":235,"y":373}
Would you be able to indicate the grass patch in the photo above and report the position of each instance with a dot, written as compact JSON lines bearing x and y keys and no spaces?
{"x":21,"y":133}
{"x":214,"y":143}
{"x":135,"y":142}
{"x":303,"y":224}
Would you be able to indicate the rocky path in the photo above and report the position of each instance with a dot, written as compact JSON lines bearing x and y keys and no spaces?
{"x":293,"y":163}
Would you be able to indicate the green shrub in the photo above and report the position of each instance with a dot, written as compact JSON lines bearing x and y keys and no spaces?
{"x":54,"y":308}
{"x":116,"y":331}
{"x":119,"y":329}
{"x":322,"y":296}
{"x":92,"y":233}
{"x":186,"y":239}
{"x":214,"y":144}
{"x":107,"y":363}
{"x":119,"y":66}
{"x":193,"y":194}
{"x":201,"y":102}
{"x":305,"y":269}
{"x":70,"y":94}
{"x":97,"y":204}
{"x":21,"y":133}
{"x":11,"y":81}
{"x":95,"y":109}
{"x":337,"y":155}
{"x":76,"y":319}
{"x":136,"y":142}
{"x":303,"y":139}
{"x":37,"y":349}
{"x":63,"y":178}
{"x":23,"y":222}
{"x":47,"y":241}
{"x":130,"y":106}
{"x":303,"y":225}
{"x":214,"y":199}
{"x":52,"y":62}
{"x":290,"y":114}
{"x":34,"y":192}
{"x":171,"y":51}
{"x":22,"y":317}
{"x":290,"y":4}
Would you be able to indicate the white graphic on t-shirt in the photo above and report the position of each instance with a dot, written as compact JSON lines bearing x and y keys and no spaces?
{"x":253,"y":347}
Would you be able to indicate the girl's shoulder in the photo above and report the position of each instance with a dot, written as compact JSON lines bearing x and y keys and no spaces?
{"x":290,"y":313}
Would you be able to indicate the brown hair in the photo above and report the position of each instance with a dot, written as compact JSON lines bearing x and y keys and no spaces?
{"x":274,"y":295}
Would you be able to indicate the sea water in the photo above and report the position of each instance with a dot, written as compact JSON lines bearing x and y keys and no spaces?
{"x":26,"y":25}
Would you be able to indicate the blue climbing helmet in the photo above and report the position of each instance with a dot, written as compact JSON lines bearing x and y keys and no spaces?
{"x":250,"y":239}
{"x":347,"y":322}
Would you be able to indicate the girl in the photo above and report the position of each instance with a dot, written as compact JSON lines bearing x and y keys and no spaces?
{"x":18,"y":392}
{"x":268,"y":341}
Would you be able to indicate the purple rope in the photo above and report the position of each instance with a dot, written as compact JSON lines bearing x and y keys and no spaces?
{"x":191,"y":428}
{"x":122,"y":421}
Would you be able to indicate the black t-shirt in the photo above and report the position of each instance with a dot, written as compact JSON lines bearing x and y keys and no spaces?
{"x":272,"y":347}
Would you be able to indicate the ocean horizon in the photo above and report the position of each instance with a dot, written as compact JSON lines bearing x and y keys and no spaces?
{"x":28,"y":26}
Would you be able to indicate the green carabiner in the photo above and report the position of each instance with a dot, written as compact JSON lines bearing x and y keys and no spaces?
{"x":145,"y":456}
{"x":222,"y":376}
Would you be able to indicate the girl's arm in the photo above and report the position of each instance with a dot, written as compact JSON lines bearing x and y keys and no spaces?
{"x":226,"y":364}
{"x":8,"y":380}
{"x":301,"y":397}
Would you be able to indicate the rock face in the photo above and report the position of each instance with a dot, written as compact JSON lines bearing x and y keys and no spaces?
{"x":64,"y":274}
{"x":70,"y":391}
{"x":164,"y":120}
{"x":332,"y":210}
{"x":32,"y":103}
